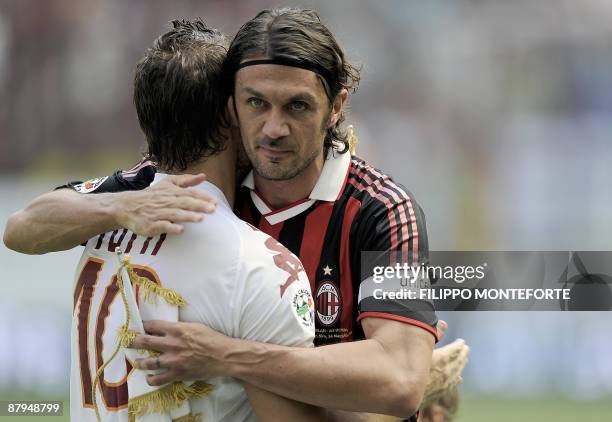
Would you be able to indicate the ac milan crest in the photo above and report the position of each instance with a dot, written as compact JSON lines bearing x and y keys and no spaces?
{"x":329,"y":303}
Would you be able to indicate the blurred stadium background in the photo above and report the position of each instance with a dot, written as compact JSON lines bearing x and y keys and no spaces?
{"x":496,"y":114}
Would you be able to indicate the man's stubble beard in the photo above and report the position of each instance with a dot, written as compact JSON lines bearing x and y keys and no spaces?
{"x":272,"y":172}
{"x":279,"y":172}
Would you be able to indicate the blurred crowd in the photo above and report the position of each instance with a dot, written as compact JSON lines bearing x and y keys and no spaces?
{"x":499,"y":111}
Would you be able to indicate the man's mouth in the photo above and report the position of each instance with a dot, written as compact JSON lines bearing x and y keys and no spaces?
{"x":275,"y":152}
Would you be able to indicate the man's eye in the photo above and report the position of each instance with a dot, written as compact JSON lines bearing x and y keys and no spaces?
{"x":298,"y":106}
{"x":255,"y":102}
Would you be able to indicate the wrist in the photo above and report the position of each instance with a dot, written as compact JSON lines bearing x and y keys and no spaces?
{"x":242,"y":357}
{"x":112,"y":205}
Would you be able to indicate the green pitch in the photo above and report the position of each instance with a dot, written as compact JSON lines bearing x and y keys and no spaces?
{"x":484,"y":409}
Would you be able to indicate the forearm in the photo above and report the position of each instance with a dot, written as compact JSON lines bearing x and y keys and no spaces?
{"x":345,"y":416}
{"x":358,"y":376}
{"x":59,"y":220}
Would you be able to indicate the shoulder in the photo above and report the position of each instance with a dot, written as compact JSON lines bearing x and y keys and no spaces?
{"x":260,"y":249}
{"x":221,"y":230}
{"x":378,"y":193}
{"x":224,"y":232}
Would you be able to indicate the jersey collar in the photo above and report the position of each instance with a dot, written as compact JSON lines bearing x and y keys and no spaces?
{"x":328,"y":188}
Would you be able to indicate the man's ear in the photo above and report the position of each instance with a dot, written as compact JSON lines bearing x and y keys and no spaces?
{"x":338,"y":107}
{"x":231,"y":112}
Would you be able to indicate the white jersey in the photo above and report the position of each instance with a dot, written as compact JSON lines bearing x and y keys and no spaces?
{"x":235,"y":279}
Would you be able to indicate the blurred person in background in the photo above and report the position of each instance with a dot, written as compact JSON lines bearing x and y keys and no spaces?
{"x":442,"y":409}
{"x":306,"y":190}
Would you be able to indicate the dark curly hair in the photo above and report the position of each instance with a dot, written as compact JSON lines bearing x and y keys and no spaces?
{"x":177,"y":97}
{"x":296,"y":35}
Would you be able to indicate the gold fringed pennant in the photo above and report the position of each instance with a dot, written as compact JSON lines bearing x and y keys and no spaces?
{"x":126,"y":336}
{"x":124,"y":333}
{"x":189,"y":418}
{"x":171,"y":396}
{"x":167,"y":398}
{"x":352,"y":140}
{"x":152,"y":290}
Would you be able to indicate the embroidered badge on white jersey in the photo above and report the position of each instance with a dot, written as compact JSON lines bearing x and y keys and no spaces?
{"x":303,"y":306}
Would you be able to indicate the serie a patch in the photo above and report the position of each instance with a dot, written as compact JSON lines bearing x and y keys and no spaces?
{"x":90,"y":185}
{"x":303,"y":306}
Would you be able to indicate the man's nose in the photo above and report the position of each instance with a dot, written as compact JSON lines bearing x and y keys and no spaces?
{"x":275,"y":126}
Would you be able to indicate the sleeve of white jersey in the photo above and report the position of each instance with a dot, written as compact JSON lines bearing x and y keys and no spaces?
{"x":269,"y":317}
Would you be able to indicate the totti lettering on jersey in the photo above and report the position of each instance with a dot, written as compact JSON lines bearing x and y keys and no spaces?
{"x":127,"y":241}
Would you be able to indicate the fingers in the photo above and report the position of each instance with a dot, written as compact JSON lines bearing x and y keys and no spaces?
{"x":147,"y":342}
{"x":170,"y":221}
{"x":165,"y":207}
{"x":183,"y":195}
{"x":151,"y":364}
{"x":160,"y":328}
{"x":154,"y":364}
{"x":160,"y":227}
{"x":200,"y":203}
{"x":158,"y":337}
{"x":180,"y":216}
{"x":173,"y":192}
{"x":204,"y":200}
{"x":187,"y":180}
{"x":441,"y":329}
{"x":164,"y":378}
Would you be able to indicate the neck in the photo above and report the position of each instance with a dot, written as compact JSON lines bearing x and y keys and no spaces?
{"x":220,"y":170}
{"x":280,"y":193}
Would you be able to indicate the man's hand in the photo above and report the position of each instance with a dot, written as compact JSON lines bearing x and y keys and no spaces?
{"x":446,"y":368}
{"x":188,"y":351}
{"x":162,"y":207}
{"x":63,"y":219}
{"x":441,"y":329}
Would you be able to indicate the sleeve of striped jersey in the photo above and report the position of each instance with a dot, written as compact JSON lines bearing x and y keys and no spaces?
{"x":387,"y":234}
{"x":137,"y":178}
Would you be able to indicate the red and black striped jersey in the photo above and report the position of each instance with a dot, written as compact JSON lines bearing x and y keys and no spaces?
{"x":356,"y":218}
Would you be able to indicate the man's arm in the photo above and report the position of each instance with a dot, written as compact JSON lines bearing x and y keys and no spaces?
{"x":384,"y":374}
{"x":63,"y":219}
{"x":270,"y":407}
{"x":387,"y":372}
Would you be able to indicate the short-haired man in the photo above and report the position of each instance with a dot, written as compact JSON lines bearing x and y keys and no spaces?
{"x":288,"y":88}
{"x":228,"y":275}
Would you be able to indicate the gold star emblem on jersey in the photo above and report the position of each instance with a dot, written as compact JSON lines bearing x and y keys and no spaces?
{"x":327,"y":270}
